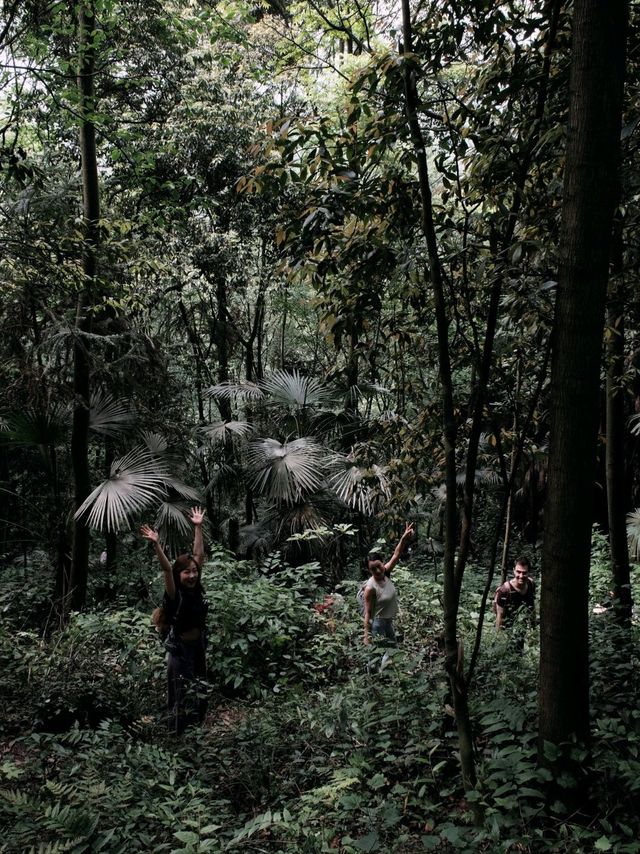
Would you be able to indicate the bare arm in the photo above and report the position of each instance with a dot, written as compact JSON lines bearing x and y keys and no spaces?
{"x":395,"y":557}
{"x":197,"y":515}
{"x":499,"y":617}
{"x":369,"y":606}
{"x":153,"y":537}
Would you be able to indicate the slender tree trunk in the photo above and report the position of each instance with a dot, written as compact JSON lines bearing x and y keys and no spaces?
{"x":590,"y":192}
{"x":81,"y":363}
{"x":453,"y":656}
{"x":222,"y":345}
{"x":480,"y":385}
{"x":615,"y":447}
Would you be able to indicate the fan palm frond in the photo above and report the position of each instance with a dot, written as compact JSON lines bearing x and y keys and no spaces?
{"x":633,"y":533}
{"x":303,"y":516}
{"x":291,"y":388}
{"x":223,"y":432}
{"x":235,"y":391}
{"x":361,"y":487}
{"x":136,"y":480}
{"x":108,"y":416}
{"x":171,"y":516}
{"x":286,"y":472}
{"x":350,"y":487}
{"x":486,"y":476}
{"x":182,"y":489}
{"x":38,"y":428}
{"x":156,"y":443}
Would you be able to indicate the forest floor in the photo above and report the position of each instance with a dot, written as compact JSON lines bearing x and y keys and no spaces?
{"x":312,"y":742}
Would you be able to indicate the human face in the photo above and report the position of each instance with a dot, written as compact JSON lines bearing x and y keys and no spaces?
{"x":189,"y":576}
{"x":520,"y":574}
{"x":376,"y":568}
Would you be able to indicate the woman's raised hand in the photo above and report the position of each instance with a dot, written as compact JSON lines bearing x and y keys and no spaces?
{"x":408,"y":531}
{"x":149,"y":533}
{"x":197,"y":515}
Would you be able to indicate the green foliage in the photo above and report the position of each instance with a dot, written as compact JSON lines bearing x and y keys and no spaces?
{"x":320,"y":744}
{"x":264,"y":633}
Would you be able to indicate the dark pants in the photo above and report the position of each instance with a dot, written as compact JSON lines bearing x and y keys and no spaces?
{"x":186,"y":684}
{"x":383,"y":628}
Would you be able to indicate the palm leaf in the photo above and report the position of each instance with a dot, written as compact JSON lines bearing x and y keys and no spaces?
{"x":108,"y":416}
{"x":361,"y":487}
{"x":172,"y":516}
{"x":39,"y":428}
{"x":633,"y":533}
{"x":156,"y":443}
{"x":235,"y":391}
{"x":293,"y":389}
{"x":350,"y":487}
{"x":174,"y":484}
{"x":223,"y":432}
{"x":286,"y":472}
{"x":305,"y":516}
{"x":136,"y":480}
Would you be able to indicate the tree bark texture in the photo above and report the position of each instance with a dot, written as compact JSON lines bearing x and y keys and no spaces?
{"x":590,"y":193}
{"x":81,"y":359}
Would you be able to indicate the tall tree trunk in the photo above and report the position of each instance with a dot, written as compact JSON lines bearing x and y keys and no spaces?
{"x":221,"y":338}
{"x":81,"y":361}
{"x":615,"y":447}
{"x":590,"y":192}
{"x":453,"y":656}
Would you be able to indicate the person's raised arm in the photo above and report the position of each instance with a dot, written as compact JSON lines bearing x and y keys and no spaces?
{"x":395,"y":557}
{"x":154,"y":538}
{"x":197,"y":515}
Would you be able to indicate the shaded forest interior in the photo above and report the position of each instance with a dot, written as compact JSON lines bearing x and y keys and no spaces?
{"x":320,"y":269}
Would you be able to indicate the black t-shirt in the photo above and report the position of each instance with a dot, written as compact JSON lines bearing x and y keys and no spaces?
{"x":512,"y":600}
{"x":187,"y":611}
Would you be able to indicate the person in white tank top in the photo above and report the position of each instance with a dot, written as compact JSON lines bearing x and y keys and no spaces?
{"x":380,"y":596}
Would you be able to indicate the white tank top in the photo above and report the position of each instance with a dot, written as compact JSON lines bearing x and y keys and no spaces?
{"x":386,"y":604}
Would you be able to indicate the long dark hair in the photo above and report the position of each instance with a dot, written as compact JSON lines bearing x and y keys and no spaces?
{"x":184,"y":562}
{"x":160,"y":616}
{"x":371,"y":556}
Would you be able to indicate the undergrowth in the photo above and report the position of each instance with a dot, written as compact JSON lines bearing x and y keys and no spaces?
{"x":313,"y":743}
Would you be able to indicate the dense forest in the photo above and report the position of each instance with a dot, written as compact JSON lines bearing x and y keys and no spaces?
{"x":279,"y":282}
